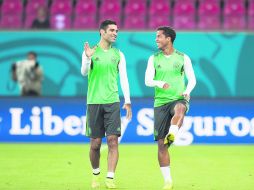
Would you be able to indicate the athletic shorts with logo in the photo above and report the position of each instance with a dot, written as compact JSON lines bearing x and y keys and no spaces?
{"x":162,"y":118}
{"x":103,"y":119}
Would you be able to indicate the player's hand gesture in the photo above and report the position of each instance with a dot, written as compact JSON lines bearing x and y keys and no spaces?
{"x":128,"y":109}
{"x":89,"y":51}
{"x":186,"y":96}
{"x":165,"y":86}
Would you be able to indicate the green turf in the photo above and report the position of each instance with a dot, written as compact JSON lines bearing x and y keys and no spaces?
{"x":67,"y":167}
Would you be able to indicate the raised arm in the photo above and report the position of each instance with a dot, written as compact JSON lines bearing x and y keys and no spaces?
{"x":86,"y":59}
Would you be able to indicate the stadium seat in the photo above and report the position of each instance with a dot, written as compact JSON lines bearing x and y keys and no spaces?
{"x":115,"y":18}
{"x":134,"y":22}
{"x":234,"y":15}
{"x":251,"y":15}
{"x":33,"y":5}
{"x":88,"y":7}
{"x":85,"y":22}
{"x":209,"y":15}
{"x":156,"y":21}
{"x":12,"y":7}
{"x":184,"y":14}
{"x":135,"y":14}
{"x":85,"y":14}
{"x":110,"y":9}
{"x":60,"y":21}
{"x":61,"y":7}
{"x":29,"y":20}
{"x":135,"y":7}
{"x":159,"y":13}
{"x":159,"y":7}
{"x":11,"y":21}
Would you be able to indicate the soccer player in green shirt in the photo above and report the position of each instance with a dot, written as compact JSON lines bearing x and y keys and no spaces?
{"x":103,"y":63}
{"x":166,"y":71}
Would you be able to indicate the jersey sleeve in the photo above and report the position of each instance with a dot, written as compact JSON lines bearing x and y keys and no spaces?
{"x":124,"y":79}
{"x":150,"y":73}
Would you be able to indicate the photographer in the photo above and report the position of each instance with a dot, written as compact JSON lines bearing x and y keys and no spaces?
{"x":29,"y":75}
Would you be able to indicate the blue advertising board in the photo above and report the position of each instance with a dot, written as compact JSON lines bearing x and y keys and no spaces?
{"x":64,"y":120}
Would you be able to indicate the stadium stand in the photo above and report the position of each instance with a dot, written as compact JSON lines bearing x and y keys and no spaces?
{"x":132,"y":14}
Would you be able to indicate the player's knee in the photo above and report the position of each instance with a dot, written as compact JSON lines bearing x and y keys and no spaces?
{"x":180,"y":110}
{"x":112,"y":142}
{"x":96,"y":145}
{"x":161,"y":146}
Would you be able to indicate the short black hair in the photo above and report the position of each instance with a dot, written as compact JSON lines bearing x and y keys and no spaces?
{"x":104,"y":24}
{"x":32,"y":53}
{"x":168,"y":32}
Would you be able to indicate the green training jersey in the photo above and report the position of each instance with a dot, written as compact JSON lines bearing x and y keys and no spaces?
{"x":170,"y":70}
{"x":102,"y":76}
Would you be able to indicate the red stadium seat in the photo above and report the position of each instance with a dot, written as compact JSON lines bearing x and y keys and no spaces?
{"x":134,"y":22}
{"x":61,"y":7}
{"x":33,"y":5}
{"x":159,"y":13}
{"x":88,"y":7}
{"x":184,"y":14}
{"x":11,"y":21}
{"x":111,"y":9}
{"x":135,"y":14}
{"x":85,"y":22}
{"x":12,"y":7}
{"x":251,"y":15}
{"x":209,"y":15}
{"x":85,"y":14}
{"x":234,"y":15}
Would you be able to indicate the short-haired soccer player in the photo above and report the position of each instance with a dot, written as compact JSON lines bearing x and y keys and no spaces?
{"x":166,"y":71}
{"x":103,"y":64}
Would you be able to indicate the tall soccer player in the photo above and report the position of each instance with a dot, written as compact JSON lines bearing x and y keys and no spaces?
{"x":166,"y":71}
{"x":103,"y":63}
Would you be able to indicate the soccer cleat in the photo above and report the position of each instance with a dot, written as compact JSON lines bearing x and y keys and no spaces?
{"x":110,"y":183}
{"x":169,"y":139}
{"x":168,"y":185}
{"x":95,"y":182}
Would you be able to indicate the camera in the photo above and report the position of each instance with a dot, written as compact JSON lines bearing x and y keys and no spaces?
{"x":24,"y":69}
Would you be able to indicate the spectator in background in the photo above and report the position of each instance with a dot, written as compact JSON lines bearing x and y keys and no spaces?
{"x":29,"y":75}
{"x":42,"y":21}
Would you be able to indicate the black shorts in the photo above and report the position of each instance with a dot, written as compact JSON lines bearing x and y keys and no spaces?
{"x":162,"y":118}
{"x":103,"y":119}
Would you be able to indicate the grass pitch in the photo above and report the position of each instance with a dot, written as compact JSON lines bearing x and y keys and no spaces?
{"x":67,"y":167}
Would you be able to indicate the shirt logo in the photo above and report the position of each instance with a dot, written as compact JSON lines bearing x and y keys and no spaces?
{"x":176,"y":65}
{"x":96,"y":59}
{"x":159,"y":66}
{"x":113,"y":59}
